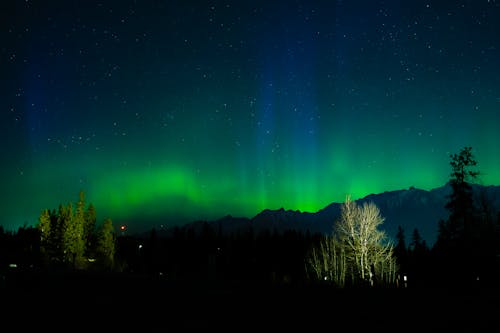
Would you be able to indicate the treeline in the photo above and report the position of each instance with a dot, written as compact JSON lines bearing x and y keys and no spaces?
{"x":357,"y":253}
{"x":71,"y":237}
{"x":206,"y":254}
{"x":183,"y":254}
{"x":19,"y":249}
{"x":68,"y":238}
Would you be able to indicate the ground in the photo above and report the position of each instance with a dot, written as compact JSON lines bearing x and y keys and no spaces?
{"x":154,"y":303}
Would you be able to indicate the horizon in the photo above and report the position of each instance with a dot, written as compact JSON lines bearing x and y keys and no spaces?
{"x":185,"y":111}
{"x":159,"y":223}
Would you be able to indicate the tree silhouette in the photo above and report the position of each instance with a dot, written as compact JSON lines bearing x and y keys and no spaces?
{"x":459,"y":236}
{"x":460,"y":202}
{"x":401,"y":250}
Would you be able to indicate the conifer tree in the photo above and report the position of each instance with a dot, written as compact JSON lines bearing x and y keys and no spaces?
{"x":458,"y":241}
{"x":106,"y":243}
{"x":460,"y":205}
{"x":417,"y":244}
{"x":401,"y":251}
{"x":44,"y":228}
{"x":89,"y":230}
{"x":73,"y":235}
{"x":64,"y":234}
{"x":68,"y":236}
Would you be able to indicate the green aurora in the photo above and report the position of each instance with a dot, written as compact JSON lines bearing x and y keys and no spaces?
{"x":171,"y":112}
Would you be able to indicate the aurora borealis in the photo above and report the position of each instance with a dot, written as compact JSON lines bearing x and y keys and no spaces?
{"x":173,"y":111}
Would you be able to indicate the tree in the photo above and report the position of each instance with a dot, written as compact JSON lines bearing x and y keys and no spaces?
{"x":418,"y":245}
{"x":74,"y":243}
{"x":459,"y":239}
{"x":44,"y":227}
{"x":327,"y":261}
{"x":358,"y":249}
{"x":106,"y":243}
{"x":69,"y":236}
{"x":401,"y":251}
{"x":89,"y":230}
{"x":368,"y":253}
{"x":419,"y":262}
{"x":460,"y":203}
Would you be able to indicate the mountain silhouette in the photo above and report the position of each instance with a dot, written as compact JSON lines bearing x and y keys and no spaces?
{"x":410,"y":208}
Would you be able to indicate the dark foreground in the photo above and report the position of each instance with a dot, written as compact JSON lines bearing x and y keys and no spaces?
{"x":85,"y":302}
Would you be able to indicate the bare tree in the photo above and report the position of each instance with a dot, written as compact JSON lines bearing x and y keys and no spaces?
{"x":357,"y":251}
{"x":365,"y":245}
{"x":327,"y":261}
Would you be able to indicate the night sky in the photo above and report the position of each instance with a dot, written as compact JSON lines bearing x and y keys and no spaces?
{"x":171,"y":111}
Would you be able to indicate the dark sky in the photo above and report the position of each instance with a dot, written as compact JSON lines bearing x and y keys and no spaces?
{"x":171,"y":111}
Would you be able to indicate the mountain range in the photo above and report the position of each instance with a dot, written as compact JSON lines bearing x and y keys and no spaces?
{"x":410,"y":208}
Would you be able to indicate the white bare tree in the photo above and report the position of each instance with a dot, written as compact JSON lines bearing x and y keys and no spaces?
{"x":365,"y":245}
{"x":357,"y":251}
{"x":327,"y":261}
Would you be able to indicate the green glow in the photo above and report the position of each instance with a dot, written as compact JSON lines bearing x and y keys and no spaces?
{"x":137,"y":187}
{"x":168,"y":191}
{"x":177,"y":192}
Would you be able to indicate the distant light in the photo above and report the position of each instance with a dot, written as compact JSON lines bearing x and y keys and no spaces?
{"x":140,"y":246}
{"x":123,"y":227}
{"x":325,"y":278}
{"x":13,"y":265}
{"x":91,"y":259}
{"x":404,"y":278}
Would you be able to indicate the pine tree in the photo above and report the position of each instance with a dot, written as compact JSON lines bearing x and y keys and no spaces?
{"x":460,"y":205}
{"x":63,"y":237}
{"x":44,"y":228}
{"x":458,"y":240}
{"x":106,"y":244}
{"x":401,"y":251}
{"x":73,"y":237}
{"x":68,"y":236}
{"x":418,"y":245}
{"x":89,"y":230}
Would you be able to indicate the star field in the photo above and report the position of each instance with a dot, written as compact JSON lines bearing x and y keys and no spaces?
{"x":172,"y":111}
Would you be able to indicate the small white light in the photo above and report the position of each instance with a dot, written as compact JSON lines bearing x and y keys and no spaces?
{"x":140,"y":246}
{"x":404,"y":277}
{"x":325,"y":278}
